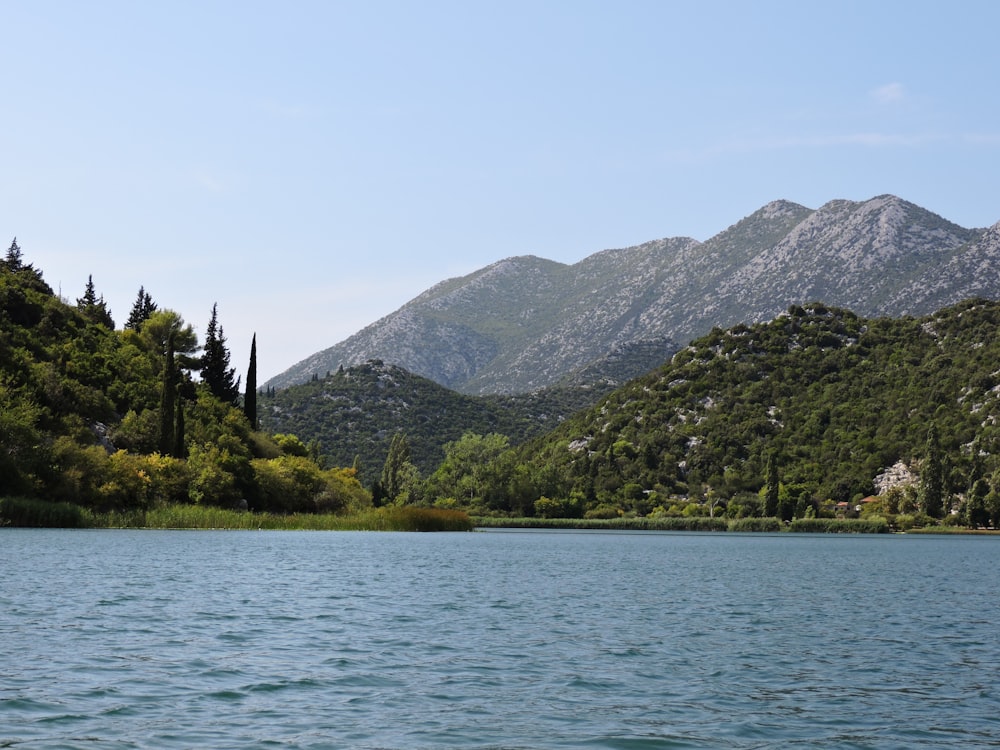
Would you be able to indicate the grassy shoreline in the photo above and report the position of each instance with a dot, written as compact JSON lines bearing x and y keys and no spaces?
{"x":759,"y":525}
{"x":723,"y":525}
{"x":33,"y":513}
{"x":30,"y":513}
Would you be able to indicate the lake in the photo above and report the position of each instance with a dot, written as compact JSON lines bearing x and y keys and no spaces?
{"x":499,"y":639}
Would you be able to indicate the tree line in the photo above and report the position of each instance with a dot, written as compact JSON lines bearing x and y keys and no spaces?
{"x":142,"y":415}
{"x":794,"y":418}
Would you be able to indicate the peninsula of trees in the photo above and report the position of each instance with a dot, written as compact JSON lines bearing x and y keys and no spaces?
{"x":129,"y":418}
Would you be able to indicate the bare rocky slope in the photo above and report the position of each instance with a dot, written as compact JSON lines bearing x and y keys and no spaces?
{"x":525,"y":323}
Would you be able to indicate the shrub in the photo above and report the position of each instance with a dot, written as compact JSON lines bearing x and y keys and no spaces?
{"x":15,"y":511}
{"x":755,"y":524}
{"x":872,"y":525}
{"x":907,"y":521}
{"x":603,"y":511}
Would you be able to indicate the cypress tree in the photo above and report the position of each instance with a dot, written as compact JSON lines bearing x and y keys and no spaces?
{"x":976,"y":513}
{"x":932,"y":476}
{"x":250,"y":398}
{"x":772,"y":488}
{"x":179,"y":450}
{"x":168,"y":395}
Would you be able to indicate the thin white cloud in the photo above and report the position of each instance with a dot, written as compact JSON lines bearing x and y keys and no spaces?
{"x":890,"y":93}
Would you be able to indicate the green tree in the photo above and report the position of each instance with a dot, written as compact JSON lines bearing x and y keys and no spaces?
{"x":165,"y":326}
{"x":94,"y":307}
{"x":993,"y":500}
{"x":20,"y":438}
{"x":168,"y":398}
{"x":215,"y":370}
{"x":13,"y":258}
{"x":179,"y":451}
{"x":772,"y":487}
{"x":250,"y":397}
{"x":468,"y":471}
{"x":932,"y":476}
{"x":395,"y":469}
{"x":976,"y":513}
{"x":142,"y":309}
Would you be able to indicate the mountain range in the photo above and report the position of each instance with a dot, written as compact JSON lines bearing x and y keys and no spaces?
{"x":526,"y":323}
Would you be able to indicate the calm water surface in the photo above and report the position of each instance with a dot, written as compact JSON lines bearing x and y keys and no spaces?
{"x":149,"y":639}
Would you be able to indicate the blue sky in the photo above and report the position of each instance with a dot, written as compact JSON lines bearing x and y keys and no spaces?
{"x":312,"y":166}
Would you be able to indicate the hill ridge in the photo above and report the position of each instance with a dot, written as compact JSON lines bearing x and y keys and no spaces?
{"x":525,"y":322}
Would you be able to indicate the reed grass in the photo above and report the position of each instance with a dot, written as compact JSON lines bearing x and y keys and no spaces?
{"x":31,"y":513}
{"x":876,"y":525}
{"x":662,"y":523}
{"x":42,"y":513}
{"x":766,"y":525}
{"x":752,"y":525}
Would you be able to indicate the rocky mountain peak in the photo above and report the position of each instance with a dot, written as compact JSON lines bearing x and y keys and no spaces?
{"x":525,"y":322}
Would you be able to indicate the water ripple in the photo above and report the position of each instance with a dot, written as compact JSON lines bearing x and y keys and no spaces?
{"x":496,"y":640}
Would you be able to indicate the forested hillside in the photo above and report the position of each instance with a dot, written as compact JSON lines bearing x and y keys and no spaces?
{"x":135,"y":417}
{"x":789,"y":417}
{"x":351,"y":416}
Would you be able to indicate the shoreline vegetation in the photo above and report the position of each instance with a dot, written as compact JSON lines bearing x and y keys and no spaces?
{"x":32,"y":513}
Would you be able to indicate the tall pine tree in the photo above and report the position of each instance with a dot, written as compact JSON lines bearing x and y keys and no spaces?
{"x":94,"y":307}
{"x":142,"y":309}
{"x":215,"y":370}
{"x":250,"y":399}
{"x":13,"y":257}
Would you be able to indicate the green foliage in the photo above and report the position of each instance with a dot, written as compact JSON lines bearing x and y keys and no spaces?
{"x":355,"y":412}
{"x":469,"y":469}
{"x":250,"y":397}
{"x":910,"y":521}
{"x":215,"y":370}
{"x":662,"y":523}
{"x":94,"y":307}
{"x":142,"y":309}
{"x":290,"y":444}
{"x":33,"y":513}
{"x":288,"y":484}
{"x":874,"y":525}
{"x":837,"y":397}
{"x":932,"y":476}
{"x":765,"y":524}
{"x":40,"y":513}
{"x":112,"y":423}
{"x":398,"y":472}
